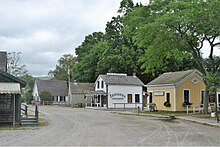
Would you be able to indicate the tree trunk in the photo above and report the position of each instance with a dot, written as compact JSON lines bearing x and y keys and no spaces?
{"x":206,"y":101}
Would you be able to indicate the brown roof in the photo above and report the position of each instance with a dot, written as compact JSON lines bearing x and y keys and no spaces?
{"x":3,"y":61}
{"x":55,"y":87}
{"x":82,"y":87}
{"x":172,"y":77}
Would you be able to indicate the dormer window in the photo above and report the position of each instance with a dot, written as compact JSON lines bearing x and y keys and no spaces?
{"x":102,"y":84}
{"x":98,"y":85}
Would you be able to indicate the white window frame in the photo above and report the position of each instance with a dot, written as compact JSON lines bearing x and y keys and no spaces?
{"x":189,"y":95}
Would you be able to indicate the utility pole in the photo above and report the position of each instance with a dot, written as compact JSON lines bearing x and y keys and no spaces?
{"x":69,"y":90}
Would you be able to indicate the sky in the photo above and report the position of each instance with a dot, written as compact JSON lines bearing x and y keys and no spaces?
{"x":44,"y":30}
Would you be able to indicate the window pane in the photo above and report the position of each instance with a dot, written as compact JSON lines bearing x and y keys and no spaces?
{"x":186,"y":96}
{"x":137,"y":98}
{"x":168,"y":97}
{"x":129,"y":98}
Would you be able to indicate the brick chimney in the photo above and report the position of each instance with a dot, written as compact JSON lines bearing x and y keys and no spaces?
{"x":3,"y":61}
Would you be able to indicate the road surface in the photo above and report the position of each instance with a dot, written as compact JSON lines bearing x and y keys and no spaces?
{"x":86,"y":127}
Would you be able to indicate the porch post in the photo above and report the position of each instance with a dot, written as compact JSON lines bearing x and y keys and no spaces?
{"x":14,"y":111}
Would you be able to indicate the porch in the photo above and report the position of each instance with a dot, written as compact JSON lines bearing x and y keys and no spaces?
{"x":97,"y":99}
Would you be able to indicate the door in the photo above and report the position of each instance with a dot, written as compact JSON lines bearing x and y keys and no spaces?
{"x":129,"y":98}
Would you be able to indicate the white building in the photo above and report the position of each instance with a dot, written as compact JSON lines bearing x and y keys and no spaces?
{"x":57,"y":88}
{"x":116,"y":91}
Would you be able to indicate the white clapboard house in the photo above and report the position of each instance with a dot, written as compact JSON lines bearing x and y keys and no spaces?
{"x":116,"y":91}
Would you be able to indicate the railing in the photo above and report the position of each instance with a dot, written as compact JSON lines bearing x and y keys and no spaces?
{"x":25,"y":109}
{"x":194,"y":108}
{"x":129,"y":105}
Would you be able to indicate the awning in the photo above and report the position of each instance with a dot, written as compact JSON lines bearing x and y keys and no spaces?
{"x":10,"y":88}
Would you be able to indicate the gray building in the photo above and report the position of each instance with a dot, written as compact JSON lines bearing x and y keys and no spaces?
{"x":78,"y":91}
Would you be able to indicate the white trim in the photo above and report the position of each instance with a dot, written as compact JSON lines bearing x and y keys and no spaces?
{"x":159,"y":87}
{"x":174,"y":99}
{"x":189,"y":94}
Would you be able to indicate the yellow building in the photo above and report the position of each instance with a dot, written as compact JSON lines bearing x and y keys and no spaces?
{"x":172,"y":90}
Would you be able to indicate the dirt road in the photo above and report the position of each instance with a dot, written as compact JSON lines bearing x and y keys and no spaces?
{"x":85,"y":127}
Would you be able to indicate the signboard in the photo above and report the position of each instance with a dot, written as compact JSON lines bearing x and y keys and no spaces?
{"x":117,"y":96}
{"x":159,"y":93}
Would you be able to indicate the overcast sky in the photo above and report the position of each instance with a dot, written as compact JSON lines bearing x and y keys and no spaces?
{"x":44,"y":30}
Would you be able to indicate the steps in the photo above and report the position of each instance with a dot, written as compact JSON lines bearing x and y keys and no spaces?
{"x":29,"y":121}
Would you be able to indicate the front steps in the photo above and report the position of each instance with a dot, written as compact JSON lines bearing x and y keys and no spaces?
{"x":29,"y":121}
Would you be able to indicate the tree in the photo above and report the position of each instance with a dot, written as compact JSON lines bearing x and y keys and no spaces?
{"x":46,"y":96}
{"x":65,"y":63}
{"x":15,"y":65}
{"x":182,"y":25}
{"x":27,"y":91}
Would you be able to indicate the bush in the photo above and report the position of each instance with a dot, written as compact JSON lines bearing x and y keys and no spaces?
{"x":167,"y":104}
{"x":46,"y":96}
{"x":186,"y":103}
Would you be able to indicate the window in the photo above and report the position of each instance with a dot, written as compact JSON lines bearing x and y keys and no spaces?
{"x":202,"y":96}
{"x":5,"y":102}
{"x":102,"y":84}
{"x":129,"y":98}
{"x":98,"y":84}
{"x":137,"y":98}
{"x":168,"y":97}
{"x":150,"y":98}
{"x":186,"y":96}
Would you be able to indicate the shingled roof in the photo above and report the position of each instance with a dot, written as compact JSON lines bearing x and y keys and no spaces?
{"x":82,"y":87}
{"x":55,"y":87}
{"x":121,"y":80}
{"x":172,"y":77}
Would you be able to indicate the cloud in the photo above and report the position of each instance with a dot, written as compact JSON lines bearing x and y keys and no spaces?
{"x":44,"y":30}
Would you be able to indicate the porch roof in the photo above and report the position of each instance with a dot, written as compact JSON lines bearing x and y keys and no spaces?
{"x":10,"y":88}
{"x":99,"y":92}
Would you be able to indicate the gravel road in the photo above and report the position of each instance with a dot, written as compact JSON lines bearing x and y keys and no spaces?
{"x":86,"y":127}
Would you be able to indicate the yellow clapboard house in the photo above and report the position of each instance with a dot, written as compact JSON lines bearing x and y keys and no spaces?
{"x":172,"y":90}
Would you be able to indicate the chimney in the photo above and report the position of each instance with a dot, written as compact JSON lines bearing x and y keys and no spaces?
{"x":3,"y":61}
{"x":134,"y":74}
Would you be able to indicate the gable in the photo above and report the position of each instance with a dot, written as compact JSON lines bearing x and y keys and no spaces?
{"x":174,"y":78}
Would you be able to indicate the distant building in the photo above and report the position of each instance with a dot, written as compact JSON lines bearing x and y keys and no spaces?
{"x":78,"y":91}
{"x":3,"y":61}
{"x":58,"y":89}
{"x":176,"y":88}
{"x":116,"y":91}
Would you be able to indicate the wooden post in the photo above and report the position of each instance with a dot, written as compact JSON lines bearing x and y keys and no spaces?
{"x":14,"y":111}
{"x":36,"y":112}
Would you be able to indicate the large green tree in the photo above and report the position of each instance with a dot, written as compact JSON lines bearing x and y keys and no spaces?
{"x":164,"y":26}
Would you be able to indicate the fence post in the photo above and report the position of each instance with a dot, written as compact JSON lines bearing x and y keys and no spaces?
{"x":187,"y":109}
{"x":36,"y":112}
{"x":26,"y":109}
{"x":138,"y":110}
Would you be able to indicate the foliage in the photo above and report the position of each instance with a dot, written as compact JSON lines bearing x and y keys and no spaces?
{"x":167,"y":104}
{"x":15,"y":65}
{"x":213,"y":83}
{"x":186,"y":104}
{"x":46,"y":96}
{"x":65,"y":65}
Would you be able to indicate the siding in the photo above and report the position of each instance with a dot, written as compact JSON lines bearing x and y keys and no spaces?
{"x":195,"y":90}
{"x":159,"y":100}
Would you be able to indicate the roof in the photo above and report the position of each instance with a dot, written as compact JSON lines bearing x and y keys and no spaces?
{"x":121,"y":80}
{"x":10,"y":88}
{"x":6,"y":77}
{"x":55,"y":87}
{"x":82,"y":87}
{"x":172,"y":77}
